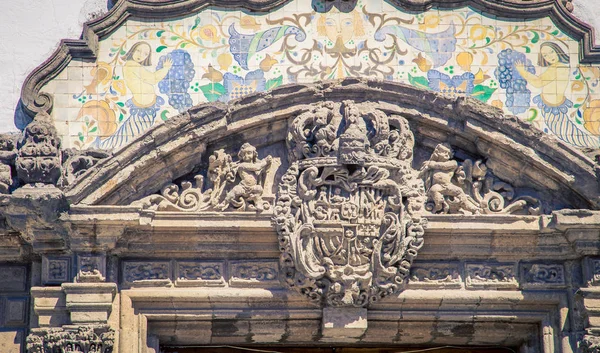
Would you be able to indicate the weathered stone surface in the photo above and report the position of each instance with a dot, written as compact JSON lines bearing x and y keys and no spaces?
{"x":10,"y":341}
{"x":84,"y":339}
{"x":344,"y":323}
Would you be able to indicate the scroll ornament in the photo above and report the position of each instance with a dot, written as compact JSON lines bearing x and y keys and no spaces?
{"x":238,"y":186}
{"x":348,"y":209}
{"x":469,"y":188}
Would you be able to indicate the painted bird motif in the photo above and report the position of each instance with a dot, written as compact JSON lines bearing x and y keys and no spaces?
{"x":438,"y":46}
{"x":244,"y":46}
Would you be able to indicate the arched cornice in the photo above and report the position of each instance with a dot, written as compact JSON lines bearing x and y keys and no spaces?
{"x":34,"y":100}
{"x":517,"y":153}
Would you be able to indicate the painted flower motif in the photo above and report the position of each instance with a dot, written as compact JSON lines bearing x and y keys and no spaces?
{"x":236,"y":87}
{"x":456,"y":86}
{"x":430,"y":21}
{"x":478,"y":32}
{"x":209,"y":32}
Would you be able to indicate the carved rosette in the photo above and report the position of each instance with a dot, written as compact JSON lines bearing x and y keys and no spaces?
{"x":348,"y":208}
{"x":39,"y":156}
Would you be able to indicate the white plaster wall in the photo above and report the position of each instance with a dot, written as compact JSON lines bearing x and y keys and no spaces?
{"x":30,"y":31}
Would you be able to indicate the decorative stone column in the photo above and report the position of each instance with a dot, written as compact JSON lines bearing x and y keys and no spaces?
{"x":74,"y":316}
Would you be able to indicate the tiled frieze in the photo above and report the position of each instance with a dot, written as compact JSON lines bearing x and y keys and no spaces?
{"x":266,"y":273}
{"x":149,"y":70}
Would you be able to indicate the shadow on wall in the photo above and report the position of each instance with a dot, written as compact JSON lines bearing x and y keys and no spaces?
{"x":21,"y":118}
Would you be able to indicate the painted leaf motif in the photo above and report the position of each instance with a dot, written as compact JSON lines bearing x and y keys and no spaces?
{"x":275,"y":82}
{"x":483,"y":93}
{"x":213,"y":91}
{"x":418,"y":81}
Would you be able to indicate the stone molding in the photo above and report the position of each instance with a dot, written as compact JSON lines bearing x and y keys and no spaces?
{"x":34,"y":101}
{"x":183,"y":139}
{"x":411,"y":317}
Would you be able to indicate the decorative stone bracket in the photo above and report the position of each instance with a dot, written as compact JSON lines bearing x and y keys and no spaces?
{"x":73,"y":303}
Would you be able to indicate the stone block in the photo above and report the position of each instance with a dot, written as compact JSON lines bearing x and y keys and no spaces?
{"x":13,"y":278}
{"x":56,"y":270}
{"x":49,"y":303}
{"x":491,"y":276}
{"x":344,"y":322}
{"x":15,"y":311}
{"x":199,"y":274}
{"x":542,"y":275}
{"x":91,"y":268}
{"x":147,"y":273}
{"x":254,"y":274}
{"x":89,"y":303}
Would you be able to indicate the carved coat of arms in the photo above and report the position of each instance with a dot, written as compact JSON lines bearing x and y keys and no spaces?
{"x":348,"y":208}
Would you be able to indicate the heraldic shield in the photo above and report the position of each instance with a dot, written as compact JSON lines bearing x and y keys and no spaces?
{"x":348,"y":209}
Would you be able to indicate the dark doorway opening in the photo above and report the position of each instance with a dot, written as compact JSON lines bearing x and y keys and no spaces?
{"x":276,"y":349}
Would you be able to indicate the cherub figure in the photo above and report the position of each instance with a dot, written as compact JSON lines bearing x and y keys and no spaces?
{"x":438,"y":172}
{"x":249,"y":169}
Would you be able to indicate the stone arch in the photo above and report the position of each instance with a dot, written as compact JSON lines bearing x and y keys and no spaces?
{"x":517,"y":153}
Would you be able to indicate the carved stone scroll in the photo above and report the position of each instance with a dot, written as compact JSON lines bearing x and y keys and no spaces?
{"x":348,"y":207}
{"x":469,"y":188}
{"x":238,"y":186}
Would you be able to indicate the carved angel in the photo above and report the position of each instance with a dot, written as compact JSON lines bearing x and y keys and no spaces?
{"x":250,"y":171}
{"x":469,"y":187}
{"x":438,"y":173}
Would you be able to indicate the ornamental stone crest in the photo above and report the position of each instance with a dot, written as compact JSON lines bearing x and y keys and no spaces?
{"x":348,"y":208}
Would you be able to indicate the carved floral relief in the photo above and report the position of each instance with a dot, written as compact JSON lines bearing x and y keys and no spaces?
{"x":348,"y":209}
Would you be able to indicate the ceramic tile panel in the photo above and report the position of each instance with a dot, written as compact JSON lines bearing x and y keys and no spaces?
{"x":150,"y":70}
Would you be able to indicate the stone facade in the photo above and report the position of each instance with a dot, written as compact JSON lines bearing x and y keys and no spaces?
{"x":356,"y":212}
